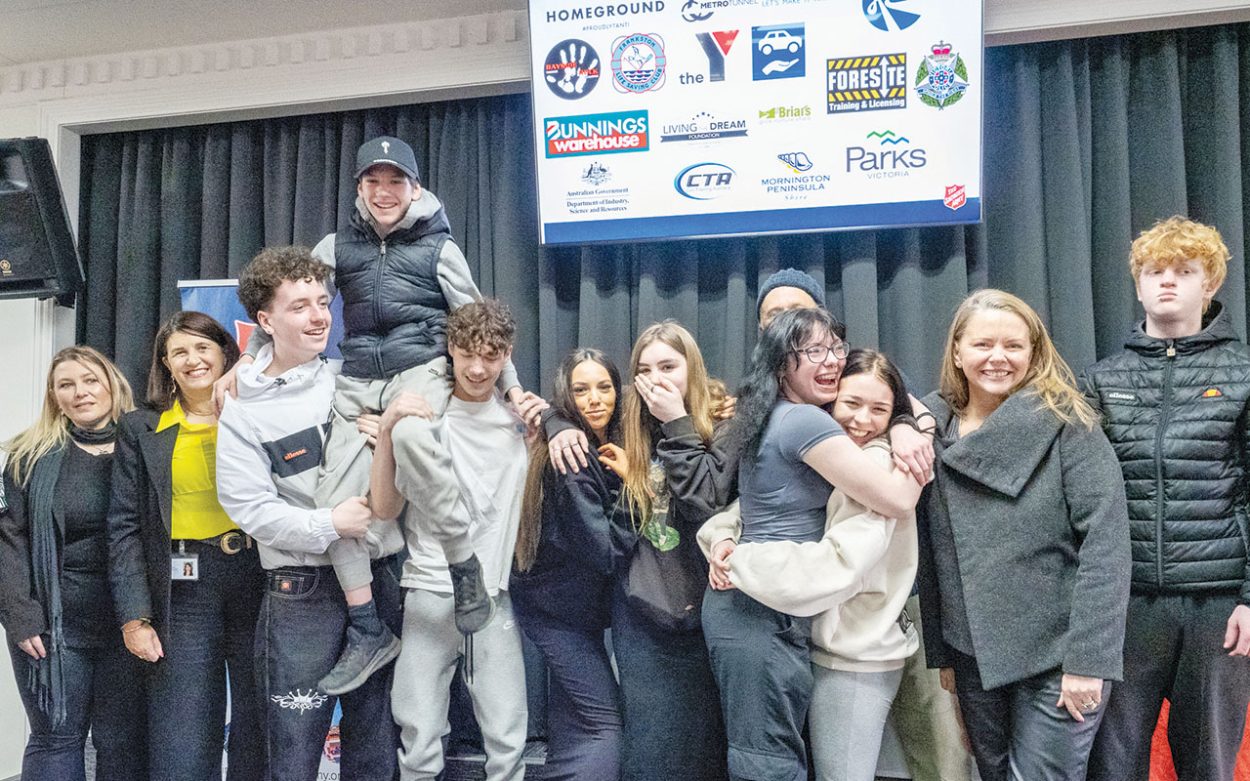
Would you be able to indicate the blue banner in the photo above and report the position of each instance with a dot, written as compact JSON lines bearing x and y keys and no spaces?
{"x":218,"y":298}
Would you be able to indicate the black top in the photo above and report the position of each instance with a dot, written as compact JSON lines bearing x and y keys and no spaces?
{"x":82,"y":497}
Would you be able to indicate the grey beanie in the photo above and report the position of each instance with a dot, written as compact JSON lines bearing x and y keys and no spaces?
{"x":792,"y":277}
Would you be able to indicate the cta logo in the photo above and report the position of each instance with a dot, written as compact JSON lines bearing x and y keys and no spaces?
{"x":591,"y":134}
{"x":886,"y":15}
{"x":800,"y":182}
{"x":703,"y":127}
{"x":784,"y":113}
{"x":572,"y":69}
{"x":715,"y":47}
{"x":777,"y":52}
{"x":705,"y":181}
{"x":871,"y":83}
{"x":587,"y":13}
{"x":638,"y":63}
{"x":942,"y":78}
{"x":885,"y":154}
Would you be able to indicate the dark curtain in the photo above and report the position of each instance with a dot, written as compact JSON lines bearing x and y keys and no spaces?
{"x":1087,"y":143}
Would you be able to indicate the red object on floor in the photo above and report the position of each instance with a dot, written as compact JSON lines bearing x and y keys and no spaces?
{"x":1161,"y":756}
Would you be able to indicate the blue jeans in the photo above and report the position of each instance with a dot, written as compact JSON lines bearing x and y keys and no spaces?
{"x":212,"y":630}
{"x":104,"y":692}
{"x":673,"y":727}
{"x":303,"y":622}
{"x":584,"y":705}
{"x":762,"y":662}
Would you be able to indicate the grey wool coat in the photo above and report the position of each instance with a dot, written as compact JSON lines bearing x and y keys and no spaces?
{"x":1036,"y":512}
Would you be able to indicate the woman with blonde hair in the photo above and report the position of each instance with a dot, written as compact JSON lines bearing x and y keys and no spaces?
{"x":1024,"y":582}
{"x":72,"y":669}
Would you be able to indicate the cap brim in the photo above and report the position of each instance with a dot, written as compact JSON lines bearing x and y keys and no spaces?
{"x":411,"y":174}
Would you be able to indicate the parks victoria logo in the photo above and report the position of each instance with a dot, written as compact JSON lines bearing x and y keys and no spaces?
{"x":869,"y":83}
{"x":888,"y":15}
{"x":885,"y":155}
{"x":942,"y":78}
{"x":572,"y":69}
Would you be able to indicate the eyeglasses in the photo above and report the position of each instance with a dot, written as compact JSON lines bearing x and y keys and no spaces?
{"x":818,"y":353}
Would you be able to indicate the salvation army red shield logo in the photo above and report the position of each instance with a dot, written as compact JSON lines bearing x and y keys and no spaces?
{"x":955,"y":196}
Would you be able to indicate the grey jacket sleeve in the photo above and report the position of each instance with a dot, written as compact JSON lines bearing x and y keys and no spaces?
{"x":1093,"y":488}
{"x":458,"y":288}
{"x":701,"y":476}
{"x":324,"y":252}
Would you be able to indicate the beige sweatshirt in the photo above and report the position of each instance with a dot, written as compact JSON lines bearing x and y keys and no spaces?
{"x":855,"y":580}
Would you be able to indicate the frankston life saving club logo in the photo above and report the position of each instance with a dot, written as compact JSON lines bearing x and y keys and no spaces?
{"x":942,"y":79}
{"x":888,"y":15}
{"x":572,"y":69}
{"x":596,"y":134}
{"x":638,"y":63}
{"x":870,"y":83}
{"x":703,"y":127}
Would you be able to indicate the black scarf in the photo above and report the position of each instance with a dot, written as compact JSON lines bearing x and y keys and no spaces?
{"x":47,"y":679}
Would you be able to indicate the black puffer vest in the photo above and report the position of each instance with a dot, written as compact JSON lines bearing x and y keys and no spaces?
{"x":1176,"y":412}
{"x":394,"y":312}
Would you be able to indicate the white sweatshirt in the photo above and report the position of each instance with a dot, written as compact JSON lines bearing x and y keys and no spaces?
{"x":855,"y":580}
{"x":269,"y":446}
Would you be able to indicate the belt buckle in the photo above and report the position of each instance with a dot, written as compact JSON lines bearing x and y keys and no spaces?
{"x":231,"y":543}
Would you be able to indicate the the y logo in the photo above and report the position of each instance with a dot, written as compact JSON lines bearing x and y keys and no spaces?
{"x":881,"y":13}
{"x":716,"y":46}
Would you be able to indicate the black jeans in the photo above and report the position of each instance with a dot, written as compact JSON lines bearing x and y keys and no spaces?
{"x":1174,"y":648}
{"x":104,"y":692}
{"x":301,"y":633}
{"x":1018,"y":733}
{"x":212,"y":630}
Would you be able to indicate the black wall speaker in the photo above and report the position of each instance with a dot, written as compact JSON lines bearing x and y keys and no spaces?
{"x":37,"y":254}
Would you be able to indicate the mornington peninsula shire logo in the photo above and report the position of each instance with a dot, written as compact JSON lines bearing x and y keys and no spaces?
{"x":942,"y":78}
{"x":595,"y":134}
{"x":572,"y":69}
{"x":638,"y":63}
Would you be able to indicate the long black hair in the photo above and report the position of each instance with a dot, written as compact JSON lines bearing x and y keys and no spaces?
{"x":563,"y":403}
{"x":774,"y":353}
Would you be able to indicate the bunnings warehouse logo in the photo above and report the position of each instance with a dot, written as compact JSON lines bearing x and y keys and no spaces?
{"x":596,"y":134}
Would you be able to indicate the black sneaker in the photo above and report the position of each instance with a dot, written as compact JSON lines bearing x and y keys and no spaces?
{"x":474,"y":607}
{"x":363,"y":656}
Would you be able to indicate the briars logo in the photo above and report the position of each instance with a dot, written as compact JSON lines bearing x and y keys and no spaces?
{"x":703,"y":127}
{"x":797,"y":161}
{"x":886,"y":15}
{"x":704,"y":181}
{"x":870,"y":83}
{"x":892,"y":156}
{"x":784,"y":113}
{"x":942,"y":78}
{"x":572,"y":69}
{"x":596,"y":174}
{"x":638,"y":63}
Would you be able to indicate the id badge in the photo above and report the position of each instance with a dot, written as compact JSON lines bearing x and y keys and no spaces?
{"x":184,"y":566}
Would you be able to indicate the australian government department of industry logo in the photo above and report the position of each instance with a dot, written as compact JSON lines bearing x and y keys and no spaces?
{"x":703,"y":127}
{"x":869,"y":83}
{"x":705,"y":181}
{"x":942,"y":79}
{"x":597,"y":134}
{"x":885,"y":154}
{"x":888,"y":15}
{"x":572,"y":69}
{"x":638,"y":63}
{"x":796,"y":180}
{"x":595,"y":194}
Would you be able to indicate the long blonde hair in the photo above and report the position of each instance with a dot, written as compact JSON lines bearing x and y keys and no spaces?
{"x":51,"y":430}
{"x":639,"y":426}
{"x":1048,"y":376}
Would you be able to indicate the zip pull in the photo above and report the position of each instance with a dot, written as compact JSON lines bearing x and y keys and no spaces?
{"x":382,"y":246}
{"x":182,"y":547}
{"x":1171,"y":353}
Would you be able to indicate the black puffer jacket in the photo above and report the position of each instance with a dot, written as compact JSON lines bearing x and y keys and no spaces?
{"x":1176,"y":412}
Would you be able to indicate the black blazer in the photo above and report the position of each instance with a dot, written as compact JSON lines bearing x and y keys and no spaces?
{"x":139,"y":519}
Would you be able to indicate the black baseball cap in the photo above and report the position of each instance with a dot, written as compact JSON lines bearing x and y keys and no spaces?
{"x":386,"y":150}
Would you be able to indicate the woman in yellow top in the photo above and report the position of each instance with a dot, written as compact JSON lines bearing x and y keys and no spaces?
{"x":186,"y":582}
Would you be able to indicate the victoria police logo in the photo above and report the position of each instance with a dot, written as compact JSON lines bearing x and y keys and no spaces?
{"x":572,"y":69}
{"x":942,"y":78}
{"x":884,"y":13}
{"x":638,"y":63}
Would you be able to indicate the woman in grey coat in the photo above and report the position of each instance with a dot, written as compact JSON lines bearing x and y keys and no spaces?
{"x":1025,"y":578}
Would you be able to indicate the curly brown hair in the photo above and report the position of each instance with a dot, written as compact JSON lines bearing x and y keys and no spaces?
{"x":266,"y":272}
{"x":485,"y":326}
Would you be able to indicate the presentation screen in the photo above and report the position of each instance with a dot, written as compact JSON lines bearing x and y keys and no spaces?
{"x":660,"y":119}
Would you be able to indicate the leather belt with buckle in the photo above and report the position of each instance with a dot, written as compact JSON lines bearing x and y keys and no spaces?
{"x":230,"y":542}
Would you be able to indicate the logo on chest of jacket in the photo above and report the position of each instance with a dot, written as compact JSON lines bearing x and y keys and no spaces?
{"x":1212,"y":393}
{"x":294,"y":454}
{"x":1121,"y":396}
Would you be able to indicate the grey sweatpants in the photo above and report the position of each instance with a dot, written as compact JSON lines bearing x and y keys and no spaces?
{"x":847,"y":718}
{"x":421,"y":691}
{"x":423,"y":470}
